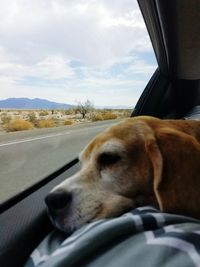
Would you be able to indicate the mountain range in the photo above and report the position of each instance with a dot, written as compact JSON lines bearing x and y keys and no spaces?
{"x":36,"y":103}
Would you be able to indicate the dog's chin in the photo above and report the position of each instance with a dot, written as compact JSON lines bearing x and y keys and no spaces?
{"x":60,"y":224}
{"x":68,"y":229}
{"x":69,"y":225}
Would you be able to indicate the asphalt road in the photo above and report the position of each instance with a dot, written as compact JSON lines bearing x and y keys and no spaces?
{"x":28,"y":156}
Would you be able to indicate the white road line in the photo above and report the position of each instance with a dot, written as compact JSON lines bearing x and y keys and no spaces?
{"x":33,"y":139}
{"x":46,"y":136}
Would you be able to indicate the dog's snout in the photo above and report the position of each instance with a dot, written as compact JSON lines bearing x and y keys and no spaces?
{"x":58,"y":200}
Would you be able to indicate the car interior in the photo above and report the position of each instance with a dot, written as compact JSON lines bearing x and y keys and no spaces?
{"x":172,"y":92}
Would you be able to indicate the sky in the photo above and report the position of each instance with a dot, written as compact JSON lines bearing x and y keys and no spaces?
{"x":69,"y":51}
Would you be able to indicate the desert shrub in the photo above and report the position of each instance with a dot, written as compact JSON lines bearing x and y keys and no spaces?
{"x":32,"y":117}
{"x":109,"y":116}
{"x":69,"y":111}
{"x":127,"y":113}
{"x":46,"y":124}
{"x":5,"y":118}
{"x":16,"y":117}
{"x":43,"y":113}
{"x":18,"y":125}
{"x":96,"y":117}
{"x":68,"y":122}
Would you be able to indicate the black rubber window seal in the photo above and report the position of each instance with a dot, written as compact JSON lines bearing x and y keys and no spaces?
{"x":20,"y":196}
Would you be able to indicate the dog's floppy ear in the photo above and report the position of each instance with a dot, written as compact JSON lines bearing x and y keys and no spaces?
{"x":175,"y":158}
{"x":156,"y":159}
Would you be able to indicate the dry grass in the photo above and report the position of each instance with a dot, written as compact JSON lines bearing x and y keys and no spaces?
{"x":44,"y":113}
{"x":18,"y":125}
{"x":101,"y":116}
{"x":127,"y":113}
{"x":96,"y":117}
{"x":109,"y":116}
{"x":5,"y":118}
{"x":69,"y":112}
{"x":52,"y":118}
{"x":46,"y":124}
{"x":68,"y":122}
{"x":32,"y":117}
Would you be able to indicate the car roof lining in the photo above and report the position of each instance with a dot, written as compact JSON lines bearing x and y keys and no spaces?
{"x":174,"y":29}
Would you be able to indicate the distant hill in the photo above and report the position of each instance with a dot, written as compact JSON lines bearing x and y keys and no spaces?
{"x":36,"y":103}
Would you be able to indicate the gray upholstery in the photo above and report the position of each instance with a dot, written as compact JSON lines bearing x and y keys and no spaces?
{"x":143,"y":237}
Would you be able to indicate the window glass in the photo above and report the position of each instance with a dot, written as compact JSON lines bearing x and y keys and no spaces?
{"x":58,"y":57}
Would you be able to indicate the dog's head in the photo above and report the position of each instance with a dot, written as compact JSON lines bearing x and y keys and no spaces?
{"x":122,"y":168}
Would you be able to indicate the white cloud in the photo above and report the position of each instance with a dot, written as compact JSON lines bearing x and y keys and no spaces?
{"x":40,"y":39}
{"x":52,"y":67}
{"x":86,"y":30}
{"x":141,"y":67}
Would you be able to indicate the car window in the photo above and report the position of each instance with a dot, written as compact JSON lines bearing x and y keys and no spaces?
{"x":69,"y":69}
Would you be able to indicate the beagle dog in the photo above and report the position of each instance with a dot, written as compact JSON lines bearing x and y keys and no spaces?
{"x":140,"y":161}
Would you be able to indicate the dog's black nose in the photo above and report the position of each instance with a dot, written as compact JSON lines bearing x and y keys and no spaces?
{"x":58,"y":200}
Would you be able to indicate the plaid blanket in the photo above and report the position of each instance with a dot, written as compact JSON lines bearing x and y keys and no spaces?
{"x":143,"y":237}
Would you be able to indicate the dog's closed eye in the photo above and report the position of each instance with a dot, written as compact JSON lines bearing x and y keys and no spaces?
{"x":107,"y":159}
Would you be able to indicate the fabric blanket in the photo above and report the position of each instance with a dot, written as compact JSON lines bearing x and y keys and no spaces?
{"x":143,"y":237}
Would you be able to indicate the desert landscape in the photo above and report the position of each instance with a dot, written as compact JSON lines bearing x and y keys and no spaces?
{"x":19,"y":120}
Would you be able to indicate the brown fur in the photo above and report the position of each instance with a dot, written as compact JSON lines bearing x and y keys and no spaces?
{"x":159,"y":165}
